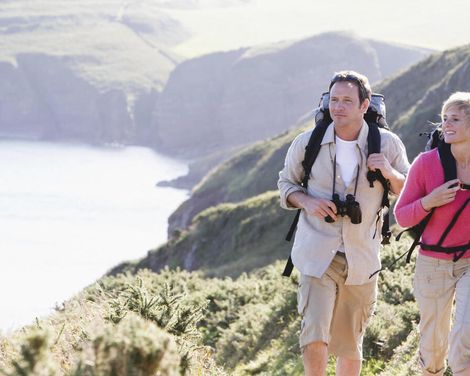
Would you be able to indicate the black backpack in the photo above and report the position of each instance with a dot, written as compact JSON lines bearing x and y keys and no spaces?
{"x":375,"y":118}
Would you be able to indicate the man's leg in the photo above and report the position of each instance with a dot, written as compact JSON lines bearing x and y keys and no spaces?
{"x":316,"y":300}
{"x":315,"y":359}
{"x":354,"y":306}
{"x":348,"y":367}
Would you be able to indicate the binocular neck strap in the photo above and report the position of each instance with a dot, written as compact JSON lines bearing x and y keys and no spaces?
{"x":334,"y":178}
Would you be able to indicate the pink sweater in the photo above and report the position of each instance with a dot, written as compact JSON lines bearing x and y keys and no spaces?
{"x":426,"y":173}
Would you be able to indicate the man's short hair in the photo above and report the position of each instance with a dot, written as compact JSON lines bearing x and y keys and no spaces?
{"x":355,"y":78}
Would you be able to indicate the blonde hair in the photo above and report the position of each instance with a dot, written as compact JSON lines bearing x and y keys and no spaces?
{"x":461,"y":100}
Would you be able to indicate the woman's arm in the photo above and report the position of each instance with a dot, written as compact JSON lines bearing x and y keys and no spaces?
{"x":441,"y":195}
{"x":409,"y":210}
{"x":418,"y":198}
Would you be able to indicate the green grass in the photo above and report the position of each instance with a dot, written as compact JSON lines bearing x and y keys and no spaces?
{"x":196,"y":325}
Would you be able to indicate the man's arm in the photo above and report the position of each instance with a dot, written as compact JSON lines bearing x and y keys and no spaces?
{"x":292,"y":194}
{"x":292,"y":173}
{"x":378,"y":161}
{"x":392,"y":162}
{"x":318,"y":207}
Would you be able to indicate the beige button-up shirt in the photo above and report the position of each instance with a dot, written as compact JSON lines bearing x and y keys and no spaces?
{"x":316,"y":241}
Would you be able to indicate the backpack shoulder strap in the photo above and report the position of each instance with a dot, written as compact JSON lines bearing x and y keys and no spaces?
{"x":312,"y":149}
{"x":447,"y":161}
{"x":374,"y":146}
{"x":373,"y":138}
{"x":311,"y":152}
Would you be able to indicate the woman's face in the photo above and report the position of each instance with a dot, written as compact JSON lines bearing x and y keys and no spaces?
{"x":456,"y":126}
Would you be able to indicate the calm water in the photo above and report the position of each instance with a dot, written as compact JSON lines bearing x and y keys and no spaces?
{"x":68,"y":213}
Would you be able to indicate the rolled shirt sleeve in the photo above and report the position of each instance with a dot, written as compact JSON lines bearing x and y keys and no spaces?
{"x":399,"y":160}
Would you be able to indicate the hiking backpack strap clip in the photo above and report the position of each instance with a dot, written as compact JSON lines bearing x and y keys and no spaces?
{"x":457,"y":251}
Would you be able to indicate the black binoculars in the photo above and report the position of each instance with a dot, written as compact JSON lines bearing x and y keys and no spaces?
{"x":350,"y":207}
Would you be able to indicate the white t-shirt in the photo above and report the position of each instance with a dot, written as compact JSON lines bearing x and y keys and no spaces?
{"x":347,"y":159}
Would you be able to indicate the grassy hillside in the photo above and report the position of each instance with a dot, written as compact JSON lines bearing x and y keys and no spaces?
{"x":176,"y":322}
{"x":415,"y":97}
{"x":226,"y":240}
{"x":249,"y":173}
{"x":233,"y":224}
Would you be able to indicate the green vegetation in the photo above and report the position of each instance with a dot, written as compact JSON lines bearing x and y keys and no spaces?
{"x":178,"y":322}
{"x":249,"y":173}
{"x":128,"y":325}
{"x":233,"y":225}
{"x":226,"y":240}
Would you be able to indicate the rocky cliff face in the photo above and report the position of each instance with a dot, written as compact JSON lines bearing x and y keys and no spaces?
{"x":43,"y":98}
{"x":99,"y":74}
{"x":238,"y":97}
{"x":84,"y":73}
{"x":95,"y":73}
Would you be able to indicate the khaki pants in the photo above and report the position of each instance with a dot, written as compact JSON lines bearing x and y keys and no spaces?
{"x":335,"y":313}
{"x":435,"y":284}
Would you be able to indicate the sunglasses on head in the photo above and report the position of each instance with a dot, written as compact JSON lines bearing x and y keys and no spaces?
{"x":347,"y":77}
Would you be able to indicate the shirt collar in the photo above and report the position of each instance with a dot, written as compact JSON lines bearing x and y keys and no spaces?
{"x":329,"y":136}
{"x":362,"y":138}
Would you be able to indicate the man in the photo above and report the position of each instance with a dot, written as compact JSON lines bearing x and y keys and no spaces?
{"x":336,"y":296}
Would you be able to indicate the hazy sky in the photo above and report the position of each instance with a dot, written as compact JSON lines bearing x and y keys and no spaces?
{"x":434,"y":24}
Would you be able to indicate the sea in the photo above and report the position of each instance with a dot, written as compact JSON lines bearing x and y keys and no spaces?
{"x":71,"y":212}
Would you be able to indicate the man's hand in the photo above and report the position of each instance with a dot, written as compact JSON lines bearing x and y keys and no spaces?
{"x":377,"y":161}
{"x":441,"y":195}
{"x":318,"y":207}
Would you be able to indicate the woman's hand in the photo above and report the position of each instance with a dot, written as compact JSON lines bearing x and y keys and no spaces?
{"x":441,"y":195}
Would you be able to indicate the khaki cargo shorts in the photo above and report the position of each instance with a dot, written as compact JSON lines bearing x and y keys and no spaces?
{"x":335,"y":313}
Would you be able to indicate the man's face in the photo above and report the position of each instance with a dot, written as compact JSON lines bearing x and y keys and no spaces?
{"x":345,"y":108}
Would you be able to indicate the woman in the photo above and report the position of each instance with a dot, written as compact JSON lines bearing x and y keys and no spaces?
{"x":439,"y":277}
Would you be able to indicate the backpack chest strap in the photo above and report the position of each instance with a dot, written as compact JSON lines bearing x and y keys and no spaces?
{"x":457,"y":251}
